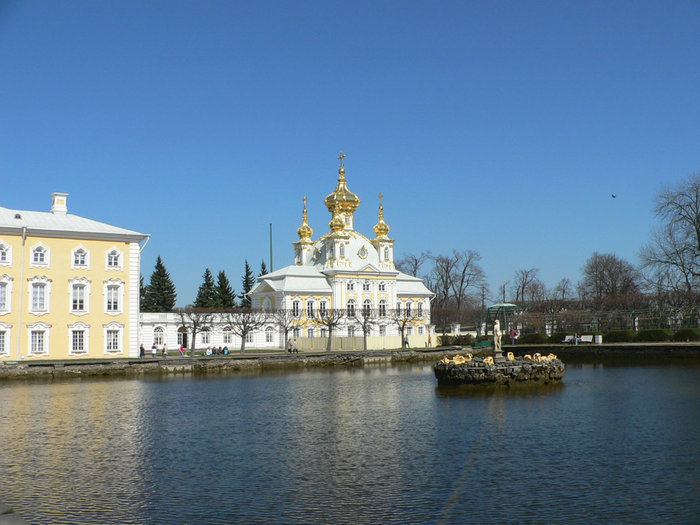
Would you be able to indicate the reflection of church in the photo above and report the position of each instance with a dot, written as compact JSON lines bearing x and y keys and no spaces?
{"x":344,"y":270}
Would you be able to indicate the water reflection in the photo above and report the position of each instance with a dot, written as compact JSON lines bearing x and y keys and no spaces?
{"x":365,"y":445}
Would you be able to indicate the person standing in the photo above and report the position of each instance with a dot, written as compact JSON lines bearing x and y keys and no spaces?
{"x":142,"y":351}
{"x":512,"y":336}
{"x":165,"y":350}
{"x":154,"y":351}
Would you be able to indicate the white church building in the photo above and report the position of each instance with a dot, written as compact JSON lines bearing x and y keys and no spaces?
{"x":342,"y":275}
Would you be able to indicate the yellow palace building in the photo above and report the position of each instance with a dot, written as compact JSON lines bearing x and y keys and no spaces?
{"x":69,"y":286}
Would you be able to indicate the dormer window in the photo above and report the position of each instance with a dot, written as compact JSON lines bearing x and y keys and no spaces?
{"x":113,"y":259}
{"x":40,"y":256}
{"x":80,"y":258}
{"x":4,"y":254}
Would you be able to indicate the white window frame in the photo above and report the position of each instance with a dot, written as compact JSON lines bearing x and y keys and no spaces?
{"x":296,"y":303}
{"x":5,"y":334}
{"x":228,"y":335}
{"x":341,"y":248}
{"x":205,"y":336}
{"x":350,"y":286}
{"x":120,"y":259}
{"x":351,"y":331}
{"x":365,"y":287}
{"x":409,"y":308}
{"x":269,"y":334}
{"x":421,"y":330}
{"x":322,"y":308}
{"x":72,"y":285}
{"x":113,"y":284}
{"x":398,"y":308}
{"x":351,"y":307}
{"x":46,"y":258}
{"x":323,"y":332}
{"x":311,"y":332}
{"x":420,"y":309}
{"x":181,"y":331}
{"x":382,"y":286}
{"x":409,"y":330}
{"x":86,"y":253}
{"x":45,"y":330}
{"x":79,"y":327}
{"x":5,"y":253}
{"x":310,"y":309}
{"x":249,"y":337}
{"x":367,"y":308}
{"x":36,"y":282}
{"x":6,"y":294}
{"x":296,"y":332}
{"x":158,"y":335}
{"x":109,"y":329}
{"x":382,"y":329}
{"x":382,"y":308}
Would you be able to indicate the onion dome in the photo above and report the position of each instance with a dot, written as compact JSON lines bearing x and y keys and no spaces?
{"x":342,"y":199}
{"x":381,"y":229}
{"x":337,"y":224}
{"x":305,"y":231}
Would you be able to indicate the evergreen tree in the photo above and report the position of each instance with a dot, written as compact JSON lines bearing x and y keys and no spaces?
{"x":206,"y":295}
{"x":263,"y":268}
{"x":142,"y":293}
{"x":248,"y":281}
{"x":160,"y":294}
{"x":225,"y":296}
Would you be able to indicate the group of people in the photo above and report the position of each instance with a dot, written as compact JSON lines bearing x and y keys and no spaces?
{"x":216,"y":351}
{"x":292,"y":346}
{"x":154,"y":351}
{"x":514,"y":334}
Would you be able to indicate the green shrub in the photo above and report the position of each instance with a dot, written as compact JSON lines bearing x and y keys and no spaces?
{"x":533,"y":339}
{"x":654,"y":336}
{"x":686,"y":334}
{"x":620,"y":336}
{"x":558,"y":337}
{"x":459,"y":340}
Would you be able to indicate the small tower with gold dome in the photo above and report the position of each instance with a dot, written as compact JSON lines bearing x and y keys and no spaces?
{"x":342,"y":203}
{"x":304,"y":246}
{"x":382,"y":243}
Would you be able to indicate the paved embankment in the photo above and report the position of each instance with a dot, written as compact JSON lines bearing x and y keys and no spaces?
{"x":255,"y":363}
{"x":202,"y":365}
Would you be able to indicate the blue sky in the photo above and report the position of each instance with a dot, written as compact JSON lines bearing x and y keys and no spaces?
{"x":501,"y":127}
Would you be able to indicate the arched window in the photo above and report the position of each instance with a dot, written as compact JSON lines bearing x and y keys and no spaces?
{"x":113,"y":259}
{"x":268,"y":334}
{"x":80,"y":258}
{"x":40,"y":256}
{"x":351,"y":308}
{"x":382,"y":308}
{"x":386,"y":254}
{"x":266,"y":305}
{"x":366,"y":308}
{"x":420,"y":309}
{"x":228,"y":335}
{"x":295,"y":307}
{"x":310,"y":307}
{"x":323,"y":308}
{"x":5,"y":254}
{"x":342,"y":250}
{"x":398,"y":308}
{"x":205,"y":336}
{"x":409,"y":308}
{"x":158,"y":335}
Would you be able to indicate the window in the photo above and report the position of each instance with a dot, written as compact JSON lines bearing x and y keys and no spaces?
{"x":38,"y":297}
{"x":365,"y":287}
{"x":80,"y":258}
{"x":113,"y":333}
{"x":386,"y":254}
{"x":38,"y":342}
{"x":266,"y":304}
{"x":3,"y":297}
{"x":323,"y":308}
{"x":310,"y":309}
{"x":268,"y":334}
{"x":181,"y":336}
{"x":342,"y":249}
{"x":398,"y":308}
{"x":113,"y":341}
{"x":295,"y":308}
{"x":249,"y":337}
{"x":228,"y":335}
{"x":296,"y":331}
{"x":420,"y":330}
{"x":4,"y":339}
{"x":382,"y":308}
{"x":409,"y":308}
{"x":113,"y":259}
{"x":5,"y":254}
{"x":324,"y":332}
{"x":366,"y":308}
{"x":310,"y":332}
{"x":205,"y":336}
{"x":113,"y":298}
{"x":78,"y":298}
{"x":78,"y":342}
{"x":351,"y":331}
{"x":40,"y":256}
{"x":351,"y":308}
{"x":158,"y":335}
{"x":351,"y":287}
{"x":382,"y":287}
{"x":382,"y":329}
{"x":420,"y":309}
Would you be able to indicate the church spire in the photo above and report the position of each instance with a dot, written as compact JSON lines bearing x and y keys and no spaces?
{"x":381,"y":229}
{"x":342,"y":203}
{"x":305,"y":231}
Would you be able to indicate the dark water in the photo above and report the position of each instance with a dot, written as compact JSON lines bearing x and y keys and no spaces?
{"x":381,"y":445}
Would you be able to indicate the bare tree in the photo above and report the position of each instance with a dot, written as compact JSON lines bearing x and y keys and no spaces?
{"x":680,"y":207}
{"x":563,"y":289}
{"x":467,"y":274}
{"x":523,"y":279}
{"x":244,"y":321}
{"x":441,"y":277}
{"x":366,"y":317}
{"x":411,"y":264}
{"x":330,"y":318}
{"x":403,"y":318}
{"x":285,"y":320}
{"x":195,"y":320}
{"x":605,"y":275}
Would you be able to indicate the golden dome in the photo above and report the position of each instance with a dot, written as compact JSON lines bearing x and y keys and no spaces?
{"x":305,"y":231}
{"x":342,"y":198}
{"x":337,"y":224}
{"x":381,"y":228}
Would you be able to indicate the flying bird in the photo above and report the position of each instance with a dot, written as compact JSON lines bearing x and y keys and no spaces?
{"x":613,"y":195}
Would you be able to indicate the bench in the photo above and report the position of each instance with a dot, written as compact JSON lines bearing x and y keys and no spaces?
{"x":581,"y":339}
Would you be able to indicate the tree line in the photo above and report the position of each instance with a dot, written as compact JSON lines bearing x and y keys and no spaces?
{"x":667,"y":277}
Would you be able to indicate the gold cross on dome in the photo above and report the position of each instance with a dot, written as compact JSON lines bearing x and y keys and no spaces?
{"x":341,"y":157}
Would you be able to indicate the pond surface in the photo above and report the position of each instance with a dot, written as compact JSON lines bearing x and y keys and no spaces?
{"x":375,"y":445}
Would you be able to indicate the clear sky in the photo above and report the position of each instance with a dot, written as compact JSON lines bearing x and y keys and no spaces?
{"x":496,"y":126}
